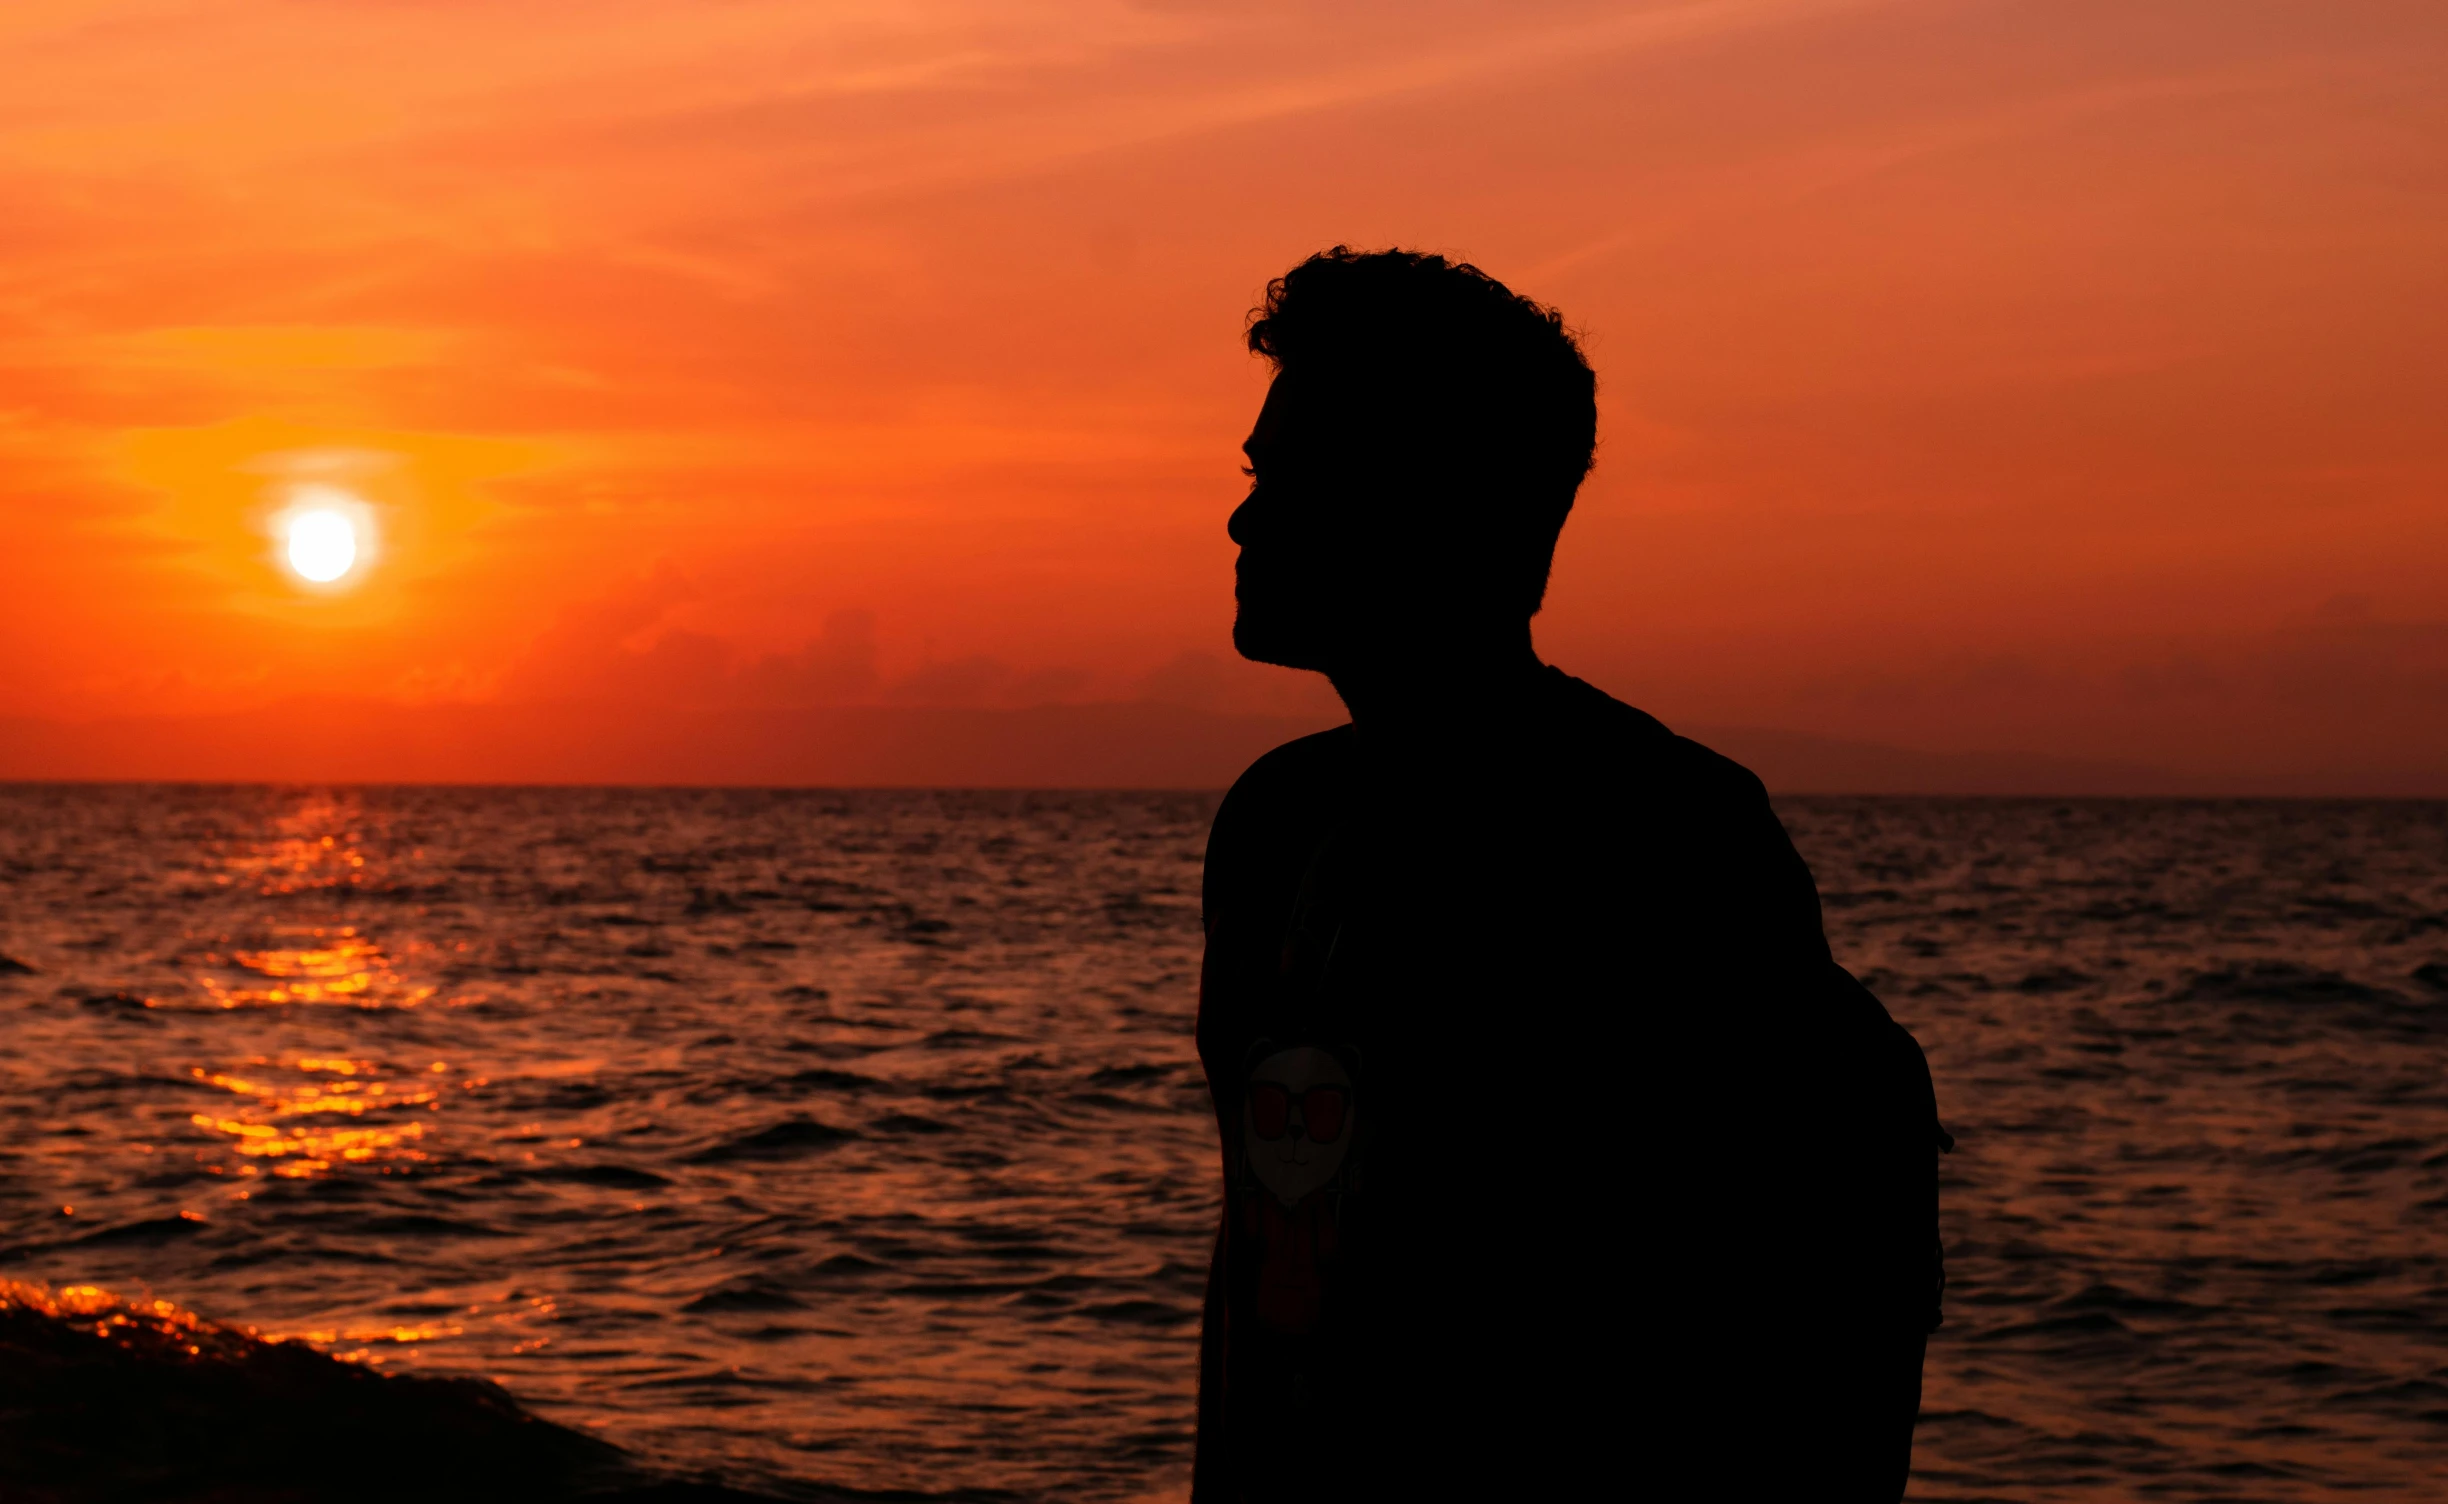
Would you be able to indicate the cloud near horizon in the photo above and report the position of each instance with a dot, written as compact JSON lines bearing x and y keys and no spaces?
{"x":625,"y":647}
{"x":2341,"y":675}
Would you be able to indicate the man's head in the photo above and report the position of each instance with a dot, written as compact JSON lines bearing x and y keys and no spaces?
{"x":1413,"y":463}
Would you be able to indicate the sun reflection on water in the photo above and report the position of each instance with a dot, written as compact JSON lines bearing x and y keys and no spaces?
{"x":396,"y":1335}
{"x":304,"y":1125}
{"x":336,"y":965}
{"x":306,"y":857}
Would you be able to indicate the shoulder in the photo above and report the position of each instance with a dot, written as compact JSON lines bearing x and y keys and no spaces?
{"x":1706,"y":820}
{"x":1633,"y":744}
{"x":1303,"y":767}
{"x":1280,"y":799}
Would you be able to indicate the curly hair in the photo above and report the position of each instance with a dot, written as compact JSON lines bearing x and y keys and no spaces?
{"x":1480,"y":399}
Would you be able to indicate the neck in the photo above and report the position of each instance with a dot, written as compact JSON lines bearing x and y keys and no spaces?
{"x":1462,"y":683}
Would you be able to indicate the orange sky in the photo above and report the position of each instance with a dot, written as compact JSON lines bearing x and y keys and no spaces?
{"x":2066,"y":377}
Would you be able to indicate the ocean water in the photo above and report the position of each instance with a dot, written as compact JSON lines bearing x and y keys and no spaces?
{"x":857,"y":1140}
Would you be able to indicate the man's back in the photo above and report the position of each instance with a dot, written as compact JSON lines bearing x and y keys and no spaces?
{"x":1555,"y":1144}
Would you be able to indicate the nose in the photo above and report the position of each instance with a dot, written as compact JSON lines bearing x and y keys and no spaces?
{"x":1242,"y":524}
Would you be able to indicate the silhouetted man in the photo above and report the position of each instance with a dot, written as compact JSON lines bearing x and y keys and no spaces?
{"x":1560,"y":1158}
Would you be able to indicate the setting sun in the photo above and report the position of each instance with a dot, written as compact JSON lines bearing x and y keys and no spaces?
{"x":322,"y":546}
{"x":324,"y":535}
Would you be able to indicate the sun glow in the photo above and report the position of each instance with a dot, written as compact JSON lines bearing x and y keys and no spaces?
{"x":325,"y":535}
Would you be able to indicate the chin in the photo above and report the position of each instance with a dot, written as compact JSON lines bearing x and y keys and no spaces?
{"x":1279,"y":643}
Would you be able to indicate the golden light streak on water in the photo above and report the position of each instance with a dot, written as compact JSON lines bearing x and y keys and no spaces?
{"x":302,"y":1148}
{"x":341,"y":966}
{"x":325,"y":1337}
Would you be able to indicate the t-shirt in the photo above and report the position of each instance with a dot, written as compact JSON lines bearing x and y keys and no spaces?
{"x":1556,"y":1148}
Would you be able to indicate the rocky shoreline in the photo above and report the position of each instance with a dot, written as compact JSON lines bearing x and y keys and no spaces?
{"x":106,"y":1398}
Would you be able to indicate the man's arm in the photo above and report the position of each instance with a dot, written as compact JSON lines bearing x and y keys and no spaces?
{"x":1253,"y":850}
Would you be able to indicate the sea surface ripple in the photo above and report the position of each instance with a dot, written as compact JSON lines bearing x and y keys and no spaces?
{"x":856,"y":1140}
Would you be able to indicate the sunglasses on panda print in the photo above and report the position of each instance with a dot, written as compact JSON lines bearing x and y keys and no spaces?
{"x":1322,"y":1111}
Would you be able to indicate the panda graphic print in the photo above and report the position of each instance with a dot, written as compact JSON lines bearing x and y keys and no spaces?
{"x":1299,"y":1121}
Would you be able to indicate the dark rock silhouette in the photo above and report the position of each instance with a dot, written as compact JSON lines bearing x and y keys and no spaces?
{"x":104,"y":1399}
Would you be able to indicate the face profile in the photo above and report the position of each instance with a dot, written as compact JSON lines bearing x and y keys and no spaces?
{"x":1295,"y":574}
{"x":1411,"y":466}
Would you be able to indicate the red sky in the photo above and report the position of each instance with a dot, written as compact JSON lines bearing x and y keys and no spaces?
{"x":2061,"y":377}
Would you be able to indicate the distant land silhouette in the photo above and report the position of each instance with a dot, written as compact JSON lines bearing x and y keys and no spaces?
{"x":1132,"y":744}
